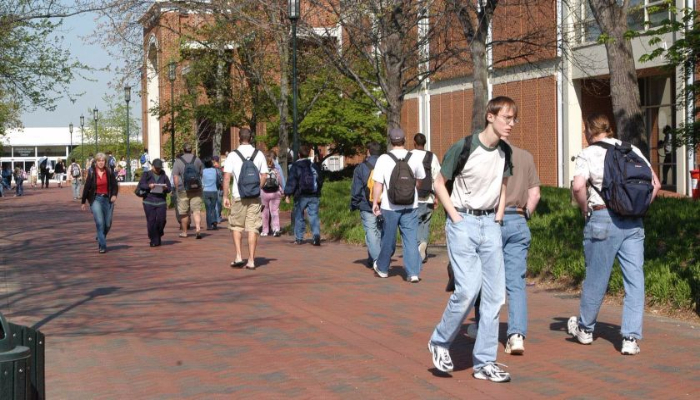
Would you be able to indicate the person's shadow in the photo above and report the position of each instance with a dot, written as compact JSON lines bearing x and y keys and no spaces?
{"x":603,"y":330}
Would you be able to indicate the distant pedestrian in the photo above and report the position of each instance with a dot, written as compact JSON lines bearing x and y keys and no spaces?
{"x":145,"y":161}
{"x":210,"y":181}
{"x":187,"y":179}
{"x":155,"y":207}
{"x":33,"y":175}
{"x":361,"y":199}
{"x":19,"y":180}
{"x":304,"y":183}
{"x":426,"y":192}
{"x":7,"y":177}
{"x":100,"y":191}
{"x":245,"y":215}
{"x":59,"y":172}
{"x":272,"y":191}
{"x":75,"y":174}
{"x":44,"y":171}
{"x":220,"y":190}
{"x":395,"y":198}
{"x":607,"y":235}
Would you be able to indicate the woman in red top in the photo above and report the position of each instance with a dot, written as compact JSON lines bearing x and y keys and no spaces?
{"x":100,"y":190}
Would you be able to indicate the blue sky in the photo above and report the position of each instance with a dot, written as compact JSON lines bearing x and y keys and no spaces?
{"x":92,"y":55}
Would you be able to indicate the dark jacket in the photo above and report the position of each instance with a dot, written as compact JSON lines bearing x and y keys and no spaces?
{"x":292,"y":186}
{"x":150,"y":177}
{"x":359,"y":192}
{"x":91,"y":185}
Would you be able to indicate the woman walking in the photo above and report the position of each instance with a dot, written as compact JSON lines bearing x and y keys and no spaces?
{"x":59,"y":171}
{"x":100,"y":191}
{"x":210,"y":183}
{"x":271,"y":196}
{"x":19,"y":179}
{"x":158,"y":185}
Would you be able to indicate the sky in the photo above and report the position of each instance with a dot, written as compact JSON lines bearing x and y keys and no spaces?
{"x":92,"y":55}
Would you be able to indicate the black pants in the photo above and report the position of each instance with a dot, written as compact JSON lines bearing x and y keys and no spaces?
{"x":155,"y":221}
{"x":44,"y":179}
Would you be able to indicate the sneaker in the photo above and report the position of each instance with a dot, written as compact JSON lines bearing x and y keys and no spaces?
{"x":581,"y":335}
{"x":298,"y":241}
{"x":492,"y":372}
{"x":630,"y":346}
{"x":380,"y":273}
{"x":276,"y":234}
{"x":317,"y":241}
{"x":441,"y":357}
{"x":263,"y":234}
{"x":472,"y":330}
{"x":515,"y":344}
{"x":422,"y":250}
{"x":414,"y":279}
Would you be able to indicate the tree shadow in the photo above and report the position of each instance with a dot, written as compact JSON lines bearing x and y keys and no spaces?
{"x":104,"y":291}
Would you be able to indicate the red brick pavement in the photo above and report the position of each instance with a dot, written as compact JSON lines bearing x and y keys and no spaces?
{"x":177,"y":322}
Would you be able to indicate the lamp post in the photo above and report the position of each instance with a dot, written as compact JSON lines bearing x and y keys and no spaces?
{"x":70,"y":129}
{"x":293,"y":10}
{"x":94,"y":114}
{"x":127,"y":97}
{"x":82,"y":130}
{"x":172,"y":69}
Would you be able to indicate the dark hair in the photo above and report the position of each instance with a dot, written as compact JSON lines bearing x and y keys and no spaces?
{"x":72,"y":160}
{"x":496,"y":104}
{"x":244,"y":135}
{"x":419,"y":138}
{"x":208,"y":163}
{"x":145,"y":150}
{"x":304,"y":150}
{"x":187,"y":148}
{"x":374,"y":148}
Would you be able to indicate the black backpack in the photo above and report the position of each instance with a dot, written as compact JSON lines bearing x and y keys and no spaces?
{"x":191,"y":178}
{"x":426,"y":186}
{"x":464,"y":157}
{"x":308,"y":178}
{"x":43,"y":164}
{"x":249,"y":178}
{"x":402,"y":183}
{"x":271,"y":184}
{"x":627,"y":180}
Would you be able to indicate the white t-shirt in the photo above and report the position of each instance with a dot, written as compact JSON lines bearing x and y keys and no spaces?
{"x":234,"y":163}
{"x":590,"y":163}
{"x":382,"y":174}
{"x":434,"y":171}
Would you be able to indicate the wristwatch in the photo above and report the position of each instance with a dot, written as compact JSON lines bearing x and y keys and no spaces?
{"x":499,"y":222}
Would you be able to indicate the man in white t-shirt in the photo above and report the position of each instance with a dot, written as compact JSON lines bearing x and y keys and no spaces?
{"x":426,"y":192}
{"x":397,"y":216}
{"x":246,"y":214}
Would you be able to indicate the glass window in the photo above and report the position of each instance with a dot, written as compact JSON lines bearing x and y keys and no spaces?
{"x":5,"y":151}
{"x":24,"y":152}
{"x":52,"y":151}
{"x":641,"y":15}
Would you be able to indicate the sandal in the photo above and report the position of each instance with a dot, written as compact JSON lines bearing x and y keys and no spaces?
{"x":238,"y":264}
{"x":183,"y":235}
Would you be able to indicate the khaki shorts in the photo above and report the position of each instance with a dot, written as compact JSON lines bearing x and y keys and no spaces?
{"x":189,"y":201}
{"x":245,"y":215}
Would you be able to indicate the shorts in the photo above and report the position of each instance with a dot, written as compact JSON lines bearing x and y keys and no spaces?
{"x":189,"y":201}
{"x":245,"y":215}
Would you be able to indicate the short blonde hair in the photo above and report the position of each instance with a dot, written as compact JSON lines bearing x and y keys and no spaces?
{"x":100,"y":156}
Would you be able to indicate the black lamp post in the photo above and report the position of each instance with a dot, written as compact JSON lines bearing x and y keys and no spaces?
{"x":293,"y":10}
{"x":95,"y":116}
{"x":82,"y":131}
{"x":70,"y":129}
{"x":127,"y":97}
{"x":172,"y":69}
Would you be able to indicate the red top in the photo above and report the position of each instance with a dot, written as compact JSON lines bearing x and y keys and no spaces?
{"x":102,"y":183}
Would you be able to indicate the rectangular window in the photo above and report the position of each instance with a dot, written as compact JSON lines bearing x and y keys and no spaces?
{"x":641,"y":15}
{"x":24,"y":152}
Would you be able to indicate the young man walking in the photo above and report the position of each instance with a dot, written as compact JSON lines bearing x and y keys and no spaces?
{"x":186,"y":169}
{"x":246,"y":215}
{"x":397,"y":214}
{"x":426,"y":192}
{"x":75,"y":175}
{"x":360,"y":200}
{"x":475,"y":214}
{"x":304,"y":183}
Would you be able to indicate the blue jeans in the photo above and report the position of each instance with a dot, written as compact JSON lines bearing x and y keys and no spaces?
{"x":605,"y":236}
{"x":474,"y":246}
{"x":516,"y":243}
{"x":407,"y":220}
{"x":309,"y":203}
{"x":102,"y":210}
{"x":210,"y":199}
{"x":76,"y":188}
{"x":425,"y":213}
{"x":373,"y":234}
{"x":19,"y":188}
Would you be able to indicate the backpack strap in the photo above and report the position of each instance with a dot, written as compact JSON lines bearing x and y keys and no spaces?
{"x":185,"y":162}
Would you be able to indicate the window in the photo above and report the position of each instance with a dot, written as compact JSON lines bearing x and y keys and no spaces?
{"x":641,"y":15}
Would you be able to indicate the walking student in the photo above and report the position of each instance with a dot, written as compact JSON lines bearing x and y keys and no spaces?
{"x":304,"y":183}
{"x":75,"y":175}
{"x":607,"y":235}
{"x":19,"y":180}
{"x":396,"y":175}
{"x":155,"y":207}
{"x":361,"y":199}
{"x":271,"y":196}
{"x":475,"y":211}
{"x":100,"y":191}
{"x":210,"y":181}
{"x":59,"y":172}
{"x":426,"y":192}
{"x":187,"y":179}
{"x":247,"y":166}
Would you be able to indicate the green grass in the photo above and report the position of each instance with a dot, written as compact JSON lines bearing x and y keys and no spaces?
{"x":672,"y":244}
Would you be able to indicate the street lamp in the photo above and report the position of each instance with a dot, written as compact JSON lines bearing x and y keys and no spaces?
{"x":172,"y":69}
{"x":293,"y":10}
{"x":94,"y":114}
{"x":70,"y":129}
{"x":82,"y":130}
{"x":127,"y":97}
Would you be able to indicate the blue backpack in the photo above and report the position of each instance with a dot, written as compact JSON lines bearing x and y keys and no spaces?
{"x":627,"y":180}
{"x":308,"y":178}
{"x":249,"y":178}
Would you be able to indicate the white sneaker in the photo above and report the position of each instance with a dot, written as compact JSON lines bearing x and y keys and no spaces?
{"x":492,"y":372}
{"x":422,"y":250}
{"x":414,"y":279}
{"x":582,"y":336}
{"x":263,"y":234}
{"x":472,"y":330}
{"x":441,"y":358}
{"x":380,"y":273}
{"x":630,"y":346}
{"x":515,"y":344}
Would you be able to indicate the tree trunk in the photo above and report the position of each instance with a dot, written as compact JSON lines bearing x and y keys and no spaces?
{"x":480,"y":77}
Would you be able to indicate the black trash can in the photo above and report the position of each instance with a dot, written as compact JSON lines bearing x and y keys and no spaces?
{"x":21,"y":362}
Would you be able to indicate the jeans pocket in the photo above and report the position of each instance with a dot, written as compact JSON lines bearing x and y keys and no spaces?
{"x":596,"y":230}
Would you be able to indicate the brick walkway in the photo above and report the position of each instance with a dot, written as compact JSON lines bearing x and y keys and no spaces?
{"x":177,"y":322}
